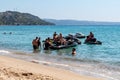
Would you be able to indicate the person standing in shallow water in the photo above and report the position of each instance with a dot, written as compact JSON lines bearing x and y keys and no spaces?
{"x":35,"y":44}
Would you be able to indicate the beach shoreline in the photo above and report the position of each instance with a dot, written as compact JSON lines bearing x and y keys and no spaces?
{"x":15,"y":69}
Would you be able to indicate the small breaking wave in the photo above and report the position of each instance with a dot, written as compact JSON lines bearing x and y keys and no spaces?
{"x":83,"y":69}
{"x":4,"y":52}
{"x":49,"y":63}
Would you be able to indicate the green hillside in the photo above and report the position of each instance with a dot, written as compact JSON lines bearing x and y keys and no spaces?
{"x":17,"y":18}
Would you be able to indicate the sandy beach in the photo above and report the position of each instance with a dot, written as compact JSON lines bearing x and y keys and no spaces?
{"x":15,"y":69}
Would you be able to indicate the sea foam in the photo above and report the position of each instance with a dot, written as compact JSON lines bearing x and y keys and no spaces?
{"x":4,"y":51}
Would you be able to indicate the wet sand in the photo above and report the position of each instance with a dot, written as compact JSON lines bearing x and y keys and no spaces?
{"x":15,"y":69}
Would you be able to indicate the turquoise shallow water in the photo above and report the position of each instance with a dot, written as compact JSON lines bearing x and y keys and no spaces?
{"x":105,"y":57}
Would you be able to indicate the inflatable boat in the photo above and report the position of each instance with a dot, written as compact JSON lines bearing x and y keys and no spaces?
{"x":63,"y":46}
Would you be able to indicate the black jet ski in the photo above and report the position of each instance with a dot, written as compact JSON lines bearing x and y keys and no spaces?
{"x":79,"y":35}
{"x":91,"y":42}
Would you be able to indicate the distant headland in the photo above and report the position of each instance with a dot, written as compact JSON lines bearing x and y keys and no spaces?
{"x":80,"y":22}
{"x":17,"y":18}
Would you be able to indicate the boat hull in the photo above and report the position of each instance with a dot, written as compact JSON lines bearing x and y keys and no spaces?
{"x":63,"y":46}
{"x":96,"y":43}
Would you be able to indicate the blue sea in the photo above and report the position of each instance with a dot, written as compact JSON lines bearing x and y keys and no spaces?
{"x":101,"y":61}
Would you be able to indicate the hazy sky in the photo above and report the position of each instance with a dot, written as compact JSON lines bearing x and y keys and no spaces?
{"x":95,"y":10}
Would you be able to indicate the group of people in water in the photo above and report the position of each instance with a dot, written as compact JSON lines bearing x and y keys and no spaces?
{"x":58,"y":40}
